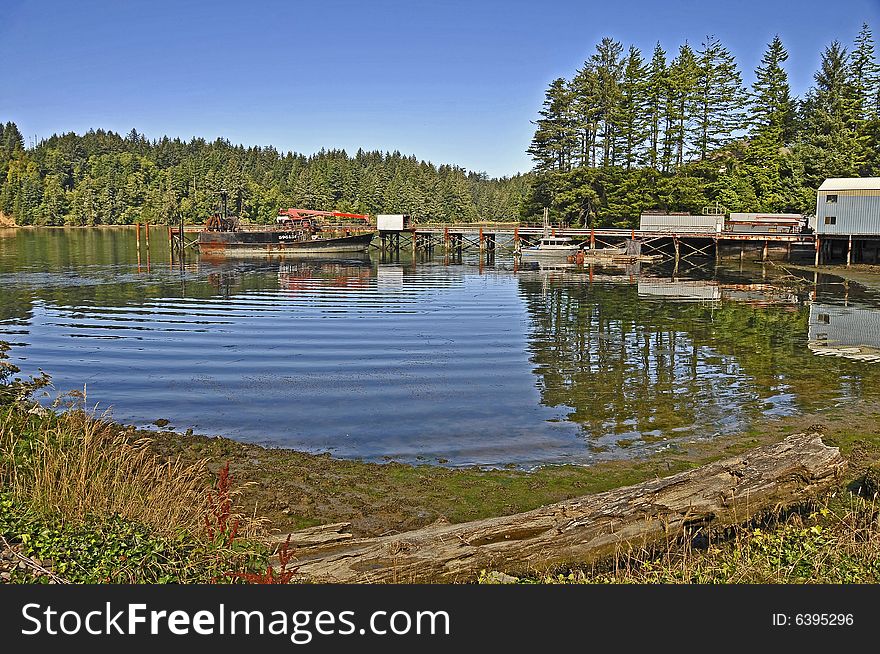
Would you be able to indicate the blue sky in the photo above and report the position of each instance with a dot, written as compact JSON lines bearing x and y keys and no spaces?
{"x":449,"y":81}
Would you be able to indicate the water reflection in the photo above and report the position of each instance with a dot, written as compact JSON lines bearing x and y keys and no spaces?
{"x":845,"y":331}
{"x":437,"y":359}
{"x":637,"y":363}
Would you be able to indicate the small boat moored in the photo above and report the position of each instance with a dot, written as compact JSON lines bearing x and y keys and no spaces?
{"x":552,"y":247}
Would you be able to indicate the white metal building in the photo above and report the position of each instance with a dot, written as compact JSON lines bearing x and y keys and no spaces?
{"x":848,"y":206}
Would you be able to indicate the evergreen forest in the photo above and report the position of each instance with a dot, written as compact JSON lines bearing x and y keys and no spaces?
{"x":673,"y":131}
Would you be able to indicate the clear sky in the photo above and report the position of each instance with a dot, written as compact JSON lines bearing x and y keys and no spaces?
{"x":451,"y":81}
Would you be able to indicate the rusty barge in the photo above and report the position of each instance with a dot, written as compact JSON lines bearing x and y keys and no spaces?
{"x":296,"y":232}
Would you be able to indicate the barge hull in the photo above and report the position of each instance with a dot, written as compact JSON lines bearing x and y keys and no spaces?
{"x":262,"y":243}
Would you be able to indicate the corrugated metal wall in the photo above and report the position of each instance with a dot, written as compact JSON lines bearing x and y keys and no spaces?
{"x":694,"y":224}
{"x":855,"y":212}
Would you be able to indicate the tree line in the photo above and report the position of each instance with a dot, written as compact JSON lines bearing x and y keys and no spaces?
{"x":103,"y":178}
{"x":682,"y":133}
{"x":677,"y":132}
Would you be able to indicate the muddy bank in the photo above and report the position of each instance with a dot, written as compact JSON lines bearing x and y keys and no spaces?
{"x":867,"y":275}
{"x":294,"y":490}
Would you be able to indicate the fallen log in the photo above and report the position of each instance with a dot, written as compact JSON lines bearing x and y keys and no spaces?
{"x":590,"y":528}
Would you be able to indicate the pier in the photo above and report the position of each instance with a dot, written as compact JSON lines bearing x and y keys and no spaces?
{"x":487,"y":238}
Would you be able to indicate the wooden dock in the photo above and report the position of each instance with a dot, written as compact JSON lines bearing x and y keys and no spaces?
{"x":683,"y":245}
{"x":488,"y":238}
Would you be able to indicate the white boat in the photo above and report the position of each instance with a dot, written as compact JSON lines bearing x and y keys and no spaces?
{"x":552,"y":247}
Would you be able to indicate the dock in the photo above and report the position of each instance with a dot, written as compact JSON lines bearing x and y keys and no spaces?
{"x":488,"y":238}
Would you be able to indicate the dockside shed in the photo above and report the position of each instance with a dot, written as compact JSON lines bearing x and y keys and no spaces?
{"x":848,"y":206}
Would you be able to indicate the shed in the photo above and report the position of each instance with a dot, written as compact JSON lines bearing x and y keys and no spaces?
{"x":848,"y":206}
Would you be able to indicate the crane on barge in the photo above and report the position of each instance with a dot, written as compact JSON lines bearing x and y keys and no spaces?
{"x":307,"y":219}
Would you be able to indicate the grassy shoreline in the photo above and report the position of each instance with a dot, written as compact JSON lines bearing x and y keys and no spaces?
{"x":64,"y":498}
{"x":837,"y":542}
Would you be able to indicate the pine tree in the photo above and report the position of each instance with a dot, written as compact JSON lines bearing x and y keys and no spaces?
{"x":833,"y":145}
{"x":655,"y":96}
{"x":719,"y":98}
{"x":554,"y":141}
{"x":682,"y":77}
{"x":586,"y":113}
{"x":772,"y":108}
{"x":866,"y":74}
{"x":771,"y":129}
{"x":631,"y":117}
{"x":608,"y":66}
{"x":13,"y":141}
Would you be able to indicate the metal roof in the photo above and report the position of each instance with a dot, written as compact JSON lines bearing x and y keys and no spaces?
{"x":851,"y":183}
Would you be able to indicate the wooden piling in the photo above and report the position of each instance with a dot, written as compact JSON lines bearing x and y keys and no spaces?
{"x":849,"y":251}
{"x":818,"y":247}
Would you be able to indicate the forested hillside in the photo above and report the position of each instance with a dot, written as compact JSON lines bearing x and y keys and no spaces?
{"x":679,"y":131}
{"x":102,"y":178}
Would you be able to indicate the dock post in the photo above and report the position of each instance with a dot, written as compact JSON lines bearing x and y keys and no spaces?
{"x":677,"y":249}
{"x":482,"y":243}
{"x":181,"y":243}
{"x":818,"y":246}
{"x":717,"y":250}
{"x":764,"y":251}
{"x":446,"y":238}
{"x":592,"y":238}
{"x":849,"y":251}
{"x":137,"y":227}
{"x":516,"y":247}
{"x":147,"y":235}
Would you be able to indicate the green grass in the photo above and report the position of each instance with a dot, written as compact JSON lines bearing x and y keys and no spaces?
{"x":838,"y":543}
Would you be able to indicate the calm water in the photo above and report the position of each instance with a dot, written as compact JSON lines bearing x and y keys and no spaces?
{"x":424,"y":361}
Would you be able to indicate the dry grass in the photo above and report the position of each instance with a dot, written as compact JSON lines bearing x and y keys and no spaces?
{"x":78,"y":465}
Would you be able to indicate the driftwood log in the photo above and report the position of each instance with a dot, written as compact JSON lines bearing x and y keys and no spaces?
{"x":582,"y":530}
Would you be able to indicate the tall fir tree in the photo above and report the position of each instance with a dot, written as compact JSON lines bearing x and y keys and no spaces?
{"x":719,"y":98}
{"x":771,"y":129}
{"x":632,"y":122}
{"x":682,"y":78}
{"x":655,"y":97}
{"x":834,"y":146}
{"x":608,"y":63}
{"x":866,"y":74}
{"x":555,"y":139}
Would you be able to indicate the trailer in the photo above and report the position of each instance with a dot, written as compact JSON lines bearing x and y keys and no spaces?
{"x":681,"y":223}
{"x":764,"y":223}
